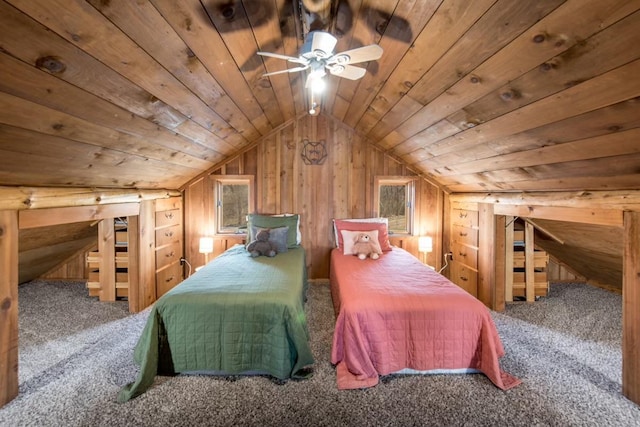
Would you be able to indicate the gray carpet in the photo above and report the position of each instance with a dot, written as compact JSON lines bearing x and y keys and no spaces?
{"x":76,"y":353}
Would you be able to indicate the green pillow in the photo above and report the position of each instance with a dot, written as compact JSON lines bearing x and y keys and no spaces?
{"x":269,"y":221}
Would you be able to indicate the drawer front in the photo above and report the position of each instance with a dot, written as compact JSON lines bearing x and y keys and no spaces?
{"x":464,"y":218}
{"x":540,"y":259}
{"x":167,"y":278}
{"x":467,"y":255}
{"x":168,"y":254}
{"x":167,"y":235}
{"x":170,"y":217}
{"x":465,"y":235}
{"x":465,"y":277}
{"x":168,"y":204}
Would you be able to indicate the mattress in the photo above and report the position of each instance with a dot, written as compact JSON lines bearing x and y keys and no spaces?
{"x":236,"y":315}
{"x":395,"y":314}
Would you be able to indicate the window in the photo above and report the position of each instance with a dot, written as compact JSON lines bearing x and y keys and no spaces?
{"x":394,"y":199}
{"x":233,"y":196}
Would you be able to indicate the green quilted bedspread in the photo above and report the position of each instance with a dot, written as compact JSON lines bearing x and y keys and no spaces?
{"x":237,"y":314}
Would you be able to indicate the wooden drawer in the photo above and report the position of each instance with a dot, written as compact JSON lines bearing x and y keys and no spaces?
{"x":540,"y":289}
{"x":167,"y":278}
{"x":468,"y":236}
{"x":467,"y":255}
{"x":167,"y":235}
{"x":540,"y":259}
{"x":465,"y":277}
{"x":518,"y":236}
{"x":170,"y":217}
{"x":539,"y":277}
{"x":464,"y":218}
{"x":122,"y":237}
{"x":168,"y":254}
{"x":168,"y":204}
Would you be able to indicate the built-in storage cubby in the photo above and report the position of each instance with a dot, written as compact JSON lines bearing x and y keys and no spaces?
{"x":109,"y":265}
{"x":527,"y":278}
{"x":143,"y":250}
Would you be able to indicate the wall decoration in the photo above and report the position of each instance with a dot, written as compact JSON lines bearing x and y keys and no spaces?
{"x":314,"y":152}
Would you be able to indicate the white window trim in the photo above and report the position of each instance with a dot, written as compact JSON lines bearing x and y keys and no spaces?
{"x":218,"y":181}
{"x":409,"y":182}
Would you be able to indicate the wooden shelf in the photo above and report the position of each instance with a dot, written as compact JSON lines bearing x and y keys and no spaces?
{"x":527,"y":276}
{"x":109,"y":266}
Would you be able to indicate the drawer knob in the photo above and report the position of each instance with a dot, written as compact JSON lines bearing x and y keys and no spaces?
{"x":170,"y":279}
{"x":168,"y":233}
{"x":168,"y":215}
{"x":463,"y":234}
{"x":464,"y":279}
{"x":462,"y":254}
{"x":170,"y":254}
{"x":463,"y":215}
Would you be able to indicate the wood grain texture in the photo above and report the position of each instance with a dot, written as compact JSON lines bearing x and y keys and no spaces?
{"x":178,"y":86}
{"x":630,"y":313}
{"x":8,"y":306}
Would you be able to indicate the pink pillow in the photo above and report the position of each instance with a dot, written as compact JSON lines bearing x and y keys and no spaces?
{"x":383,"y":235}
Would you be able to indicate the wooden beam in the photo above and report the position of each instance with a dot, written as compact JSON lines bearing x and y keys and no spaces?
{"x":607,"y":217}
{"x":486,"y":254}
{"x":529,"y":263}
{"x":8,"y":306}
{"x":543,"y":230}
{"x":501,"y":267}
{"x":508,"y":259}
{"x":133,"y":237}
{"x":147,"y":255}
{"x":617,"y":200}
{"x":107,"y":265}
{"x":631,"y":308}
{"x":54,"y":216}
{"x":20,"y":198}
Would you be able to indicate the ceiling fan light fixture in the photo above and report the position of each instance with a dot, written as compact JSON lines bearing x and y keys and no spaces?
{"x":318,"y":57}
{"x":317,"y":85}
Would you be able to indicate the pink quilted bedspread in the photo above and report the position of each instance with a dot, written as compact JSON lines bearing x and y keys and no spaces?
{"x":395,"y":313}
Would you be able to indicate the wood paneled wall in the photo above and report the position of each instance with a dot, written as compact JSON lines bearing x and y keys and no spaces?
{"x":341,"y":187}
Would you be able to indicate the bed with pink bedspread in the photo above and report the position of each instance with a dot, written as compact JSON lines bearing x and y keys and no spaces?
{"x":395,"y":313}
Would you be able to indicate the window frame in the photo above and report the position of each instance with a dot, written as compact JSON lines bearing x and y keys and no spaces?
{"x":409,"y":182}
{"x":218,"y":182}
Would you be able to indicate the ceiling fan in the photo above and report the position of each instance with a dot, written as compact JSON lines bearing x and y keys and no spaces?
{"x":318,"y":57}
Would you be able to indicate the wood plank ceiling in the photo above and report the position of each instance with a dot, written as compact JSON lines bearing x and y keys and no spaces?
{"x":498,"y":95}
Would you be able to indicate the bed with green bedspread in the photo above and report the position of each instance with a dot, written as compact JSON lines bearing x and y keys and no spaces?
{"x":236,"y":315}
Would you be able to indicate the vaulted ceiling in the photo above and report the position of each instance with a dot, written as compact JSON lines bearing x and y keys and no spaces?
{"x":475,"y":95}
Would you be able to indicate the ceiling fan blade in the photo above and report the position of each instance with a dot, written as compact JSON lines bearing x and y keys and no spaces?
{"x":288,"y":70}
{"x":360,"y":54}
{"x":285,"y":57}
{"x":323,"y":42}
{"x":348,"y":72}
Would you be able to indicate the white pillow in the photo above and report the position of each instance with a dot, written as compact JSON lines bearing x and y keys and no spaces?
{"x":348,"y":237}
{"x":376,"y":220}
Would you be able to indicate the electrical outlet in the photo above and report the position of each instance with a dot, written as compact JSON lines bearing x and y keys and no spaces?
{"x":182,"y":261}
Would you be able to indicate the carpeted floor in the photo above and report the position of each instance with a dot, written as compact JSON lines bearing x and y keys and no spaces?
{"x":76,"y":353}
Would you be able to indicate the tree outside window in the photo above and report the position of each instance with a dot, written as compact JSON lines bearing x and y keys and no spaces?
{"x":234,"y":201}
{"x":395,"y":201}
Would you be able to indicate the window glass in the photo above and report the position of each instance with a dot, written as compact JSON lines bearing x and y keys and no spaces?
{"x":395,"y":202}
{"x":233,"y":203}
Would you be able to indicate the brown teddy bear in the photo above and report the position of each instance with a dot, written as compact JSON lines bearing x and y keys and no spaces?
{"x":262,"y":245}
{"x":364,"y":246}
